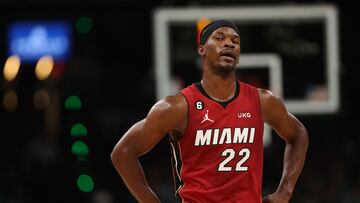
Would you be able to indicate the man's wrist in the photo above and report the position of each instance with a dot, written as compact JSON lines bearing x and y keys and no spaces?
{"x":286,"y":193}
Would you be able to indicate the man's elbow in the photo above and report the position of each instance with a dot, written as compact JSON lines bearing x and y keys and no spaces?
{"x":304,"y":134}
{"x":113,"y":156}
{"x":118,"y":154}
{"x":299,"y":137}
{"x":302,"y":137}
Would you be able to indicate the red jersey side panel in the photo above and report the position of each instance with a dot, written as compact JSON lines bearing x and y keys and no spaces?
{"x":220,"y":156}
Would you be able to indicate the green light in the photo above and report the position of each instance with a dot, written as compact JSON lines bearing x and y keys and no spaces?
{"x":80,"y":149}
{"x":85,"y":183}
{"x":78,"y":130}
{"x":73,"y":103}
{"x":84,"y":25}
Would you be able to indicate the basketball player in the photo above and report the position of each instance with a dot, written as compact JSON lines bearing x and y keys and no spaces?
{"x":216,"y":132}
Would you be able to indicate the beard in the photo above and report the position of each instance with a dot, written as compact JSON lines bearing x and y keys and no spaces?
{"x":223,"y":70}
{"x":224,"y":67}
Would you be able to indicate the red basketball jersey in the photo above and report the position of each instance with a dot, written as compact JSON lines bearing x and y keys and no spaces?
{"x":220,"y":156}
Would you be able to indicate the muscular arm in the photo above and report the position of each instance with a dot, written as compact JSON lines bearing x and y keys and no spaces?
{"x":296,"y":138}
{"x":167,"y":115}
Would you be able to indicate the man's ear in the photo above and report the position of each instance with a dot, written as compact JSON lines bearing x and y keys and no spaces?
{"x":201,"y":50}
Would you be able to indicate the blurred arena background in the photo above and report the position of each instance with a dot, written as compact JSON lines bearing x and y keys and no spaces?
{"x":76,"y":75}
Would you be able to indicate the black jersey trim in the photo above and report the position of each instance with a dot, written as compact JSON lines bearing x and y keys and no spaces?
{"x":176,"y":163}
{"x":224,"y":103}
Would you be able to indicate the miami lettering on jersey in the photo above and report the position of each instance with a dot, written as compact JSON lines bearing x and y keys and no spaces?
{"x":224,"y":136}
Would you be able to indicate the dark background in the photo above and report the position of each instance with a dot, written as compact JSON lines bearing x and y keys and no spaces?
{"x":111,"y":70}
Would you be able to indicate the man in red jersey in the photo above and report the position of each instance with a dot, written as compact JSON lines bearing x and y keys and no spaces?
{"x":216,"y":133}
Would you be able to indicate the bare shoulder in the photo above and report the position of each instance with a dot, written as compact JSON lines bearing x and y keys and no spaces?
{"x":272,"y":106}
{"x":170,"y":113}
{"x":268,"y":98}
{"x":171,"y":105}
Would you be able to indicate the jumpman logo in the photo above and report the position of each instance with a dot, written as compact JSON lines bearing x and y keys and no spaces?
{"x":206,"y":117}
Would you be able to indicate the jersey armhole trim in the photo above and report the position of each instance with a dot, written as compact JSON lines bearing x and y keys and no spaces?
{"x":187,"y":115}
{"x":260,"y":114}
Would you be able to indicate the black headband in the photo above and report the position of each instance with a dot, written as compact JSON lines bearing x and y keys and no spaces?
{"x":206,"y":32}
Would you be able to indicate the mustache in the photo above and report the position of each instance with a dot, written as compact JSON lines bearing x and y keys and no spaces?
{"x":228,"y":52}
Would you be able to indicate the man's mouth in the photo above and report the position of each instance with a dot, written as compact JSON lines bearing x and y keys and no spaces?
{"x":228,"y":53}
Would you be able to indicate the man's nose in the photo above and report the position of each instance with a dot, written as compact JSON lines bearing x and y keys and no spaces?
{"x":229,"y":43}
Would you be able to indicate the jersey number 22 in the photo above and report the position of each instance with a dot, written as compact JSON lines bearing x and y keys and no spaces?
{"x":230,"y":155}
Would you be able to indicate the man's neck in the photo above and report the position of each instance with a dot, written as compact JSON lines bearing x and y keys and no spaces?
{"x":218,"y":87}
